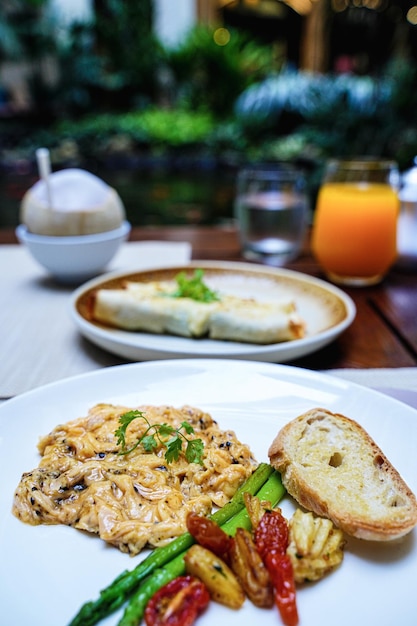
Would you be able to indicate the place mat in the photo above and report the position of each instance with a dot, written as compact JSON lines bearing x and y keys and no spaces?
{"x":399,"y":383}
{"x":39,"y":342}
{"x":380,"y":378}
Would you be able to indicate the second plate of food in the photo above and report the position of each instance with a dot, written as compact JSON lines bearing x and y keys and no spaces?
{"x":324,"y":310}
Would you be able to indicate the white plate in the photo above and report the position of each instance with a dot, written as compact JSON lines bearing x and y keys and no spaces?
{"x":327,"y":310}
{"x":48,"y":572}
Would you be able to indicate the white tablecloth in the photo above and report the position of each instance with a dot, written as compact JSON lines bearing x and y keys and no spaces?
{"x":400,"y":383}
{"x":40,"y":344}
{"x":38,"y":341}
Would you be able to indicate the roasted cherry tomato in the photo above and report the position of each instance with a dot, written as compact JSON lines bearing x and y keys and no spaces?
{"x":272,"y":533}
{"x":271,"y":539}
{"x":208,"y":534}
{"x":178,"y":603}
{"x":282,"y":577}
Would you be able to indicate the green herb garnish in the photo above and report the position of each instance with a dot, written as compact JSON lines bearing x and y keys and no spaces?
{"x":194,"y":288}
{"x":165,"y":435}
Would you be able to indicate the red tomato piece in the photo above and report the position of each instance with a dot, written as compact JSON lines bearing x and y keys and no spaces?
{"x":178,"y":603}
{"x":282,"y":577}
{"x":271,"y":539}
{"x":272,"y":533}
{"x":208,"y":534}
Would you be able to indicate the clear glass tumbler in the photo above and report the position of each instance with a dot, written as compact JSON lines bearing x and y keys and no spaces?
{"x":271,"y":209}
{"x":355,"y":222}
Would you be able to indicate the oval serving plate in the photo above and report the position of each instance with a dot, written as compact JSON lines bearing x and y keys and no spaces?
{"x":326,"y":309}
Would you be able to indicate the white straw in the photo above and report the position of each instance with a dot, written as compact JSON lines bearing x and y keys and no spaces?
{"x":44,"y":167}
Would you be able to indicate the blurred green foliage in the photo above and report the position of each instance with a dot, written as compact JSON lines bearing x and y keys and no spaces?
{"x":122,"y":89}
{"x":23,"y":32}
{"x":126,"y":67}
{"x":109,"y":63}
{"x":289,"y":116}
{"x":335,"y":114}
{"x":152,"y":129}
{"x":211,"y":76}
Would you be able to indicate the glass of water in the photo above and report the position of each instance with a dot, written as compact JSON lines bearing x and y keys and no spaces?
{"x":271,"y":209}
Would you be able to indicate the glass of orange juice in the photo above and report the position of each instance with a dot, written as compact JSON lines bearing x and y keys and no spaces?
{"x":355,"y":222}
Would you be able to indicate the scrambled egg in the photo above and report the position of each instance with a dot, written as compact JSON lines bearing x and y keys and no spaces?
{"x":131,"y":500}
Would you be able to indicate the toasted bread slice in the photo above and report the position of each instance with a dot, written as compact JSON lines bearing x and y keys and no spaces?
{"x":331,"y":466}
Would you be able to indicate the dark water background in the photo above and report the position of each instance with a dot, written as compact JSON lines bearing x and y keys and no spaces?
{"x":157,"y":196}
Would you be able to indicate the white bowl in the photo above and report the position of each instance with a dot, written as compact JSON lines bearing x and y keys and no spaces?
{"x":76,"y":258}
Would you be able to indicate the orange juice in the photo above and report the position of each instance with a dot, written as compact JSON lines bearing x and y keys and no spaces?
{"x":354,"y":235}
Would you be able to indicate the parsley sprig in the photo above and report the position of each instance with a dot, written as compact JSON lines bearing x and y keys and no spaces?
{"x":194,"y":287}
{"x":164,"y":435}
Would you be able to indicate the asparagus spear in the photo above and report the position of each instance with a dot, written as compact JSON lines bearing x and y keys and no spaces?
{"x":115,"y":595}
{"x":271,"y":491}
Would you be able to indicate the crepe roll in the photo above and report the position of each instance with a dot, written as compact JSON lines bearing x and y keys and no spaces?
{"x":131,"y":309}
{"x":152,"y":307}
{"x":252,"y":321}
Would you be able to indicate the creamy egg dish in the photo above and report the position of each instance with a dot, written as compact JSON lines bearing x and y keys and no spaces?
{"x":135,"y":499}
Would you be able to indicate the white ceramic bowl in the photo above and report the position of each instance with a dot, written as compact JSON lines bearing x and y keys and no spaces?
{"x":76,"y":258}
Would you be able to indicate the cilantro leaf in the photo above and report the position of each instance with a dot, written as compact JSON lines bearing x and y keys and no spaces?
{"x":174,"y":448}
{"x":187,"y":427}
{"x":156,"y":435}
{"x":124,"y":421}
{"x":165,"y":429}
{"x":194,"y":288}
{"x":194,"y":451}
{"x":148,"y":442}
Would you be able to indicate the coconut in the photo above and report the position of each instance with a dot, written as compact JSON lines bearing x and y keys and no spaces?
{"x":71,"y":202}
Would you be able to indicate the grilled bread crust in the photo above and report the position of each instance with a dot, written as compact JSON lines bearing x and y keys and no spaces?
{"x":331,"y":466}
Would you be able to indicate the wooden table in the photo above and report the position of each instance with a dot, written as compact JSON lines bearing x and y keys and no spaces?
{"x":384,"y":333}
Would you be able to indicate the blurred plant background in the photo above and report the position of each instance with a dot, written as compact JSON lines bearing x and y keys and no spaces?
{"x":169,"y":125}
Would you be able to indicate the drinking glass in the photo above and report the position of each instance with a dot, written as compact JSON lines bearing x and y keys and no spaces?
{"x":271,"y":210}
{"x":355,"y":223}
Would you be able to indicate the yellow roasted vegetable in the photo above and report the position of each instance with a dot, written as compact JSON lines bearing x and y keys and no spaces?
{"x":255,"y":508}
{"x":219,"y":579}
{"x":247,"y":564}
{"x":315,"y":547}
